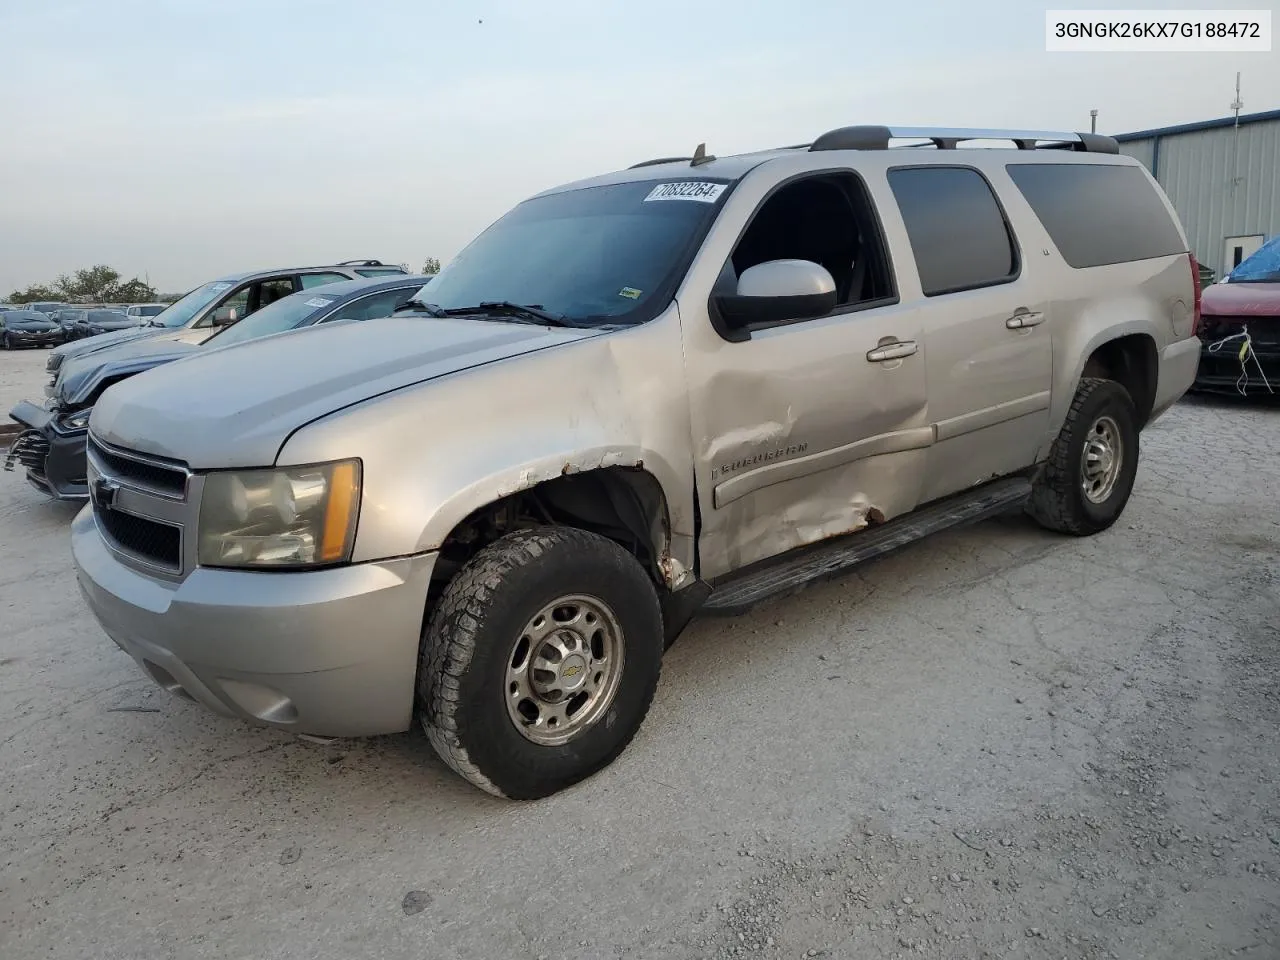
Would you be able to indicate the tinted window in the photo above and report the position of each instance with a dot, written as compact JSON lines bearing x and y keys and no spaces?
{"x":958,"y":232}
{"x":1098,"y":214}
{"x":319,"y":279}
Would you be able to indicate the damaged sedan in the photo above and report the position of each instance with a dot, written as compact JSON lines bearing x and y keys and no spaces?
{"x":1240,"y":329}
{"x":52,"y":445}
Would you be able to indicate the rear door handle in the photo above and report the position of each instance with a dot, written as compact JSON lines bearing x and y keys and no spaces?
{"x":892,"y":351}
{"x":1021,"y":321}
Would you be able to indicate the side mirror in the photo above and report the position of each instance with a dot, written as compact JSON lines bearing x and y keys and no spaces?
{"x":779,"y":290}
{"x":224,"y":316}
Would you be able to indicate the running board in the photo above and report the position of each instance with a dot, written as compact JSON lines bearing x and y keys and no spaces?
{"x":740,"y":592}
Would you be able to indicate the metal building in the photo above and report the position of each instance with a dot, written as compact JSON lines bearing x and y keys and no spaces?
{"x":1223,"y":177}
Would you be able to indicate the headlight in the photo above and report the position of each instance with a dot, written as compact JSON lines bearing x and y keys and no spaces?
{"x":286,"y":517}
{"x":78,"y":420}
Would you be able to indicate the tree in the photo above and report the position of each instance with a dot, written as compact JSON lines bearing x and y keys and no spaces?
{"x":431,"y":266}
{"x":34,"y":293}
{"x":96,"y":284}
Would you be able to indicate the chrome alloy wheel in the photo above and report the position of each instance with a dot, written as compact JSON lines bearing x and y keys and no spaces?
{"x":564,"y":669}
{"x":1102,"y":460}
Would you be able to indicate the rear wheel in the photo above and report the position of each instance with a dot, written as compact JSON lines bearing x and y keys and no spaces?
{"x":540,"y":661}
{"x":1093,"y":462}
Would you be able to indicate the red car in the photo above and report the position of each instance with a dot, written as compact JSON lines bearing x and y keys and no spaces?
{"x":1240,"y":328}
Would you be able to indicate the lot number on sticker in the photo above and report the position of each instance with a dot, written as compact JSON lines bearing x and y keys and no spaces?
{"x":318,"y":302}
{"x":700,"y":190}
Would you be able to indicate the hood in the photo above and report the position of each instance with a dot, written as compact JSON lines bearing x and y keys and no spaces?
{"x":1241,"y":300}
{"x":81,"y":376}
{"x":36,"y":326}
{"x":124,"y":323}
{"x":79,"y":347}
{"x":235,"y":406}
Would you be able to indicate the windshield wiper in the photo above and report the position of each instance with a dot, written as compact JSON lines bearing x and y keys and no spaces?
{"x":420,"y":306}
{"x":530,"y":312}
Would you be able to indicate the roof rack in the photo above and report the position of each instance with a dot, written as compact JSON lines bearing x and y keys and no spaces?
{"x":361,"y":263}
{"x":870,"y":137}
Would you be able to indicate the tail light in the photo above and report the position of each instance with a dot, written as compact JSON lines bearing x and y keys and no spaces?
{"x":1195,"y":285}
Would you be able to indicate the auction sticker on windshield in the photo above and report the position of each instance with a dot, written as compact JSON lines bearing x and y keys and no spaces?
{"x":319,"y":302}
{"x":702,"y":191}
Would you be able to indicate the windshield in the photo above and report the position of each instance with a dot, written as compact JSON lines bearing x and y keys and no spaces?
{"x":284,"y":314}
{"x":180,"y":313}
{"x":1261,"y":266}
{"x":151,"y":311}
{"x":604,"y":254}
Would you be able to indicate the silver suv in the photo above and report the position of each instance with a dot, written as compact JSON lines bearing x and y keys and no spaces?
{"x":692,"y":385}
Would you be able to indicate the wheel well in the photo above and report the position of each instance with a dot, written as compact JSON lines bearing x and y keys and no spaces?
{"x":624,"y":504}
{"x":1131,"y":362}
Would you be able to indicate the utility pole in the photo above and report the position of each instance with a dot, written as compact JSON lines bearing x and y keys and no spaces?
{"x":1093,"y":121}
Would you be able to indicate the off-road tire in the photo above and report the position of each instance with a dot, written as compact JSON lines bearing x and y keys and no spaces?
{"x":1057,"y":501}
{"x":462,"y":673}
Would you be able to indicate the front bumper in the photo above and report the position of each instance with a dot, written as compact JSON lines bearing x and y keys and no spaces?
{"x":331,"y":653}
{"x":21,"y":338}
{"x":54,"y":459}
{"x":1223,"y":371}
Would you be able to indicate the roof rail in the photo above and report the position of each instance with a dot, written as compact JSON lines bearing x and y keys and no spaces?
{"x":654,"y":163}
{"x":869,"y":137}
{"x":361,"y":263}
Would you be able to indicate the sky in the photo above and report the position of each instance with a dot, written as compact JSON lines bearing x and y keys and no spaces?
{"x":178,"y":140}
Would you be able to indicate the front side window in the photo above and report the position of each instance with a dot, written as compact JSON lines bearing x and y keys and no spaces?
{"x":605,"y":254}
{"x":959,"y":235}
{"x":828,"y":220}
{"x":277,"y":317}
{"x":375,"y":305}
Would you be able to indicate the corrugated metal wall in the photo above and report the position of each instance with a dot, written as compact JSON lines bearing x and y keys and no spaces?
{"x":1195,"y":170}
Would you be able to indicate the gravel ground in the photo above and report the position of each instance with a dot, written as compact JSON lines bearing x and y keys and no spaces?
{"x":21,"y":378}
{"x":998,"y":743}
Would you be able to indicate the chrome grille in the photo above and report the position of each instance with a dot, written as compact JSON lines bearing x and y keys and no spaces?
{"x":158,"y":543}
{"x":149,"y":473}
{"x":142,"y":508}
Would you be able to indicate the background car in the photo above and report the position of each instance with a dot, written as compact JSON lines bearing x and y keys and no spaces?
{"x":145,"y":311}
{"x":28,"y":328}
{"x":44,"y":306}
{"x":66,"y":321}
{"x":90,"y":323}
{"x":1240,"y":328}
{"x":197,"y":316}
{"x":52,"y":447}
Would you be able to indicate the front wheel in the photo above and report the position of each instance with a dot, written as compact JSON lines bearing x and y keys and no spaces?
{"x":7,"y":342}
{"x":1093,"y":463}
{"x":540,"y":661}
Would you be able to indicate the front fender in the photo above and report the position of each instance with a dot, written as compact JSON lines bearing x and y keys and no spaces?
{"x":435,"y":452}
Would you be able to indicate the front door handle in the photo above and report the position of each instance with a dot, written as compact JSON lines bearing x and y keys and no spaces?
{"x":1021,"y":321}
{"x":892,"y":351}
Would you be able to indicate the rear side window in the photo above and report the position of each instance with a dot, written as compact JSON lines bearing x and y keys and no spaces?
{"x":959,"y":234}
{"x":1097,"y":213}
